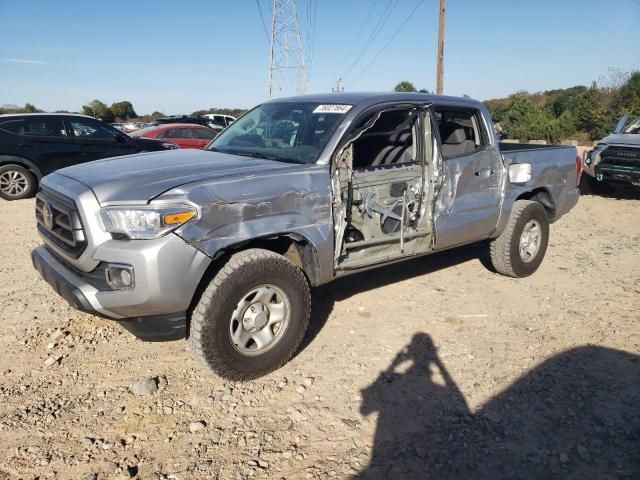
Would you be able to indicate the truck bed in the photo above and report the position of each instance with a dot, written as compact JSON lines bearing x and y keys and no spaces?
{"x":553,"y":169}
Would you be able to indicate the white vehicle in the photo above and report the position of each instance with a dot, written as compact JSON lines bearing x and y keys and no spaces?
{"x":219,"y":120}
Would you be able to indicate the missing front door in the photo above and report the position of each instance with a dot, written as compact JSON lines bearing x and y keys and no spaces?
{"x":385,"y":187}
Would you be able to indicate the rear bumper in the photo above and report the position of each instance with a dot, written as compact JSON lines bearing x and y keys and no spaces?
{"x":154,"y":310}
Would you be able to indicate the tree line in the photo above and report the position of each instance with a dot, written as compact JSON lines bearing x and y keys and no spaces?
{"x":118,"y":112}
{"x":577,"y":113}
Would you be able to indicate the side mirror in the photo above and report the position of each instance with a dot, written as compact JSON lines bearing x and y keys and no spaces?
{"x":118,"y":137}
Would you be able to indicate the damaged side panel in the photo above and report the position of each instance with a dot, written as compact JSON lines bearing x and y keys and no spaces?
{"x":295,"y":202}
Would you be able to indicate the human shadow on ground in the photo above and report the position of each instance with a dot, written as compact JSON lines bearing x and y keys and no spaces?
{"x":574,"y":416}
{"x":324,"y":297}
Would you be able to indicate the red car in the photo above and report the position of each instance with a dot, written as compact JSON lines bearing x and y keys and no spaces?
{"x":184,"y":134}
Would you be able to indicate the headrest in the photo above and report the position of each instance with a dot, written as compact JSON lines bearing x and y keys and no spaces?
{"x":452,"y":133}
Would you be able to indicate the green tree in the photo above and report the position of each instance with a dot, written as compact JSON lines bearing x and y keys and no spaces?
{"x":404,"y":86}
{"x":29,"y":108}
{"x":525,"y":120}
{"x":123,"y":110}
{"x":99,"y":110}
{"x":627,"y":99}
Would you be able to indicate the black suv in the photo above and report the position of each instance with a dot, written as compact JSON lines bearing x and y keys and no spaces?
{"x":34,"y":145}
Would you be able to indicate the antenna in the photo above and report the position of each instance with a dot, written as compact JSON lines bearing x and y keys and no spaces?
{"x":286,"y":55}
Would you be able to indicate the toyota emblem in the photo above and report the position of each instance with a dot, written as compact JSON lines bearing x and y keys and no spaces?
{"x":47,"y":216}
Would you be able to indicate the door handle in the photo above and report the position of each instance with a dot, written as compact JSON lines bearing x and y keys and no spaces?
{"x":485,"y":172}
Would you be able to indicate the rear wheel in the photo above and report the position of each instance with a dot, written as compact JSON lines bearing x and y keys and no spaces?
{"x":252,"y":317}
{"x":16,"y":182}
{"x":519,"y":250}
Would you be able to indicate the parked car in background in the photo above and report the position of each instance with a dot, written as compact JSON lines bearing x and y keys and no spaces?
{"x":33,"y":145}
{"x":204,"y":121}
{"x":615,"y":160}
{"x":183,"y":134}
{"x":119,"y":126}
{"x":221,"y":121}
{"x":225,"y":243}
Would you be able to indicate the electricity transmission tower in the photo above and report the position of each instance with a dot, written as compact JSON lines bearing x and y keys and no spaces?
{"x":286,"y":58}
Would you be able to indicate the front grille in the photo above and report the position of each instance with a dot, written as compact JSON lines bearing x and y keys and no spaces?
{"x":59,"y":223}
{"x":625,"y":157}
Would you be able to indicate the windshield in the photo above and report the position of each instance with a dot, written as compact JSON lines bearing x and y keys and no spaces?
{"x":285,"y":131}
{"x":634,"y":127}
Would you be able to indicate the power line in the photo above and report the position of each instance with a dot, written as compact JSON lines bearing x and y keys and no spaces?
{"x":353,"y":45}
{"x":264,"y":23}
{"x":372,"y":36}
{"x":313,"y":36}
{"x":389,"y":41}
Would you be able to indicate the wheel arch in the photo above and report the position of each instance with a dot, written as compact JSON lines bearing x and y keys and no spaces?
{"x":23,"y":162}
{"x":543,"y":197}
{"x":293,"y":246}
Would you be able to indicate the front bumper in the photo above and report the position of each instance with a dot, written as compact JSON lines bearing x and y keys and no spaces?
{"x":167,"y":273}
{"x":612,"y":172}
{"x":618,"y":164}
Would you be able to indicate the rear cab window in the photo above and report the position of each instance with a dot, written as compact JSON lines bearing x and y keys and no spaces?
{"x":462,"y":131}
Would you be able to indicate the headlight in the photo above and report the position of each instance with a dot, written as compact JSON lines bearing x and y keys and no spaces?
{"x":145,"y":223}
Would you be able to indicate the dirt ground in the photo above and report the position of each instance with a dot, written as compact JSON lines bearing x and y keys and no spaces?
{"x":434,"y":368}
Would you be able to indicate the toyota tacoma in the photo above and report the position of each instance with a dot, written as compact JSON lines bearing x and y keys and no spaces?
{"x":221,"y":246}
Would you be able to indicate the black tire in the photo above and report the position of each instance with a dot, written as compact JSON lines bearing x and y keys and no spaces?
{"x":505,"y":250}
{"x":25,"y":186}
{"x":210,"y":339}
{"x":590,"y":186}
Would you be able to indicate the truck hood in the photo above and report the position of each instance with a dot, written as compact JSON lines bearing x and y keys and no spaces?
{"x":631,"y":139}
{"x":142,"y":177}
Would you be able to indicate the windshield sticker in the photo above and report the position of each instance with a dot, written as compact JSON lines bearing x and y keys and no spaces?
{"x":332,"y":108}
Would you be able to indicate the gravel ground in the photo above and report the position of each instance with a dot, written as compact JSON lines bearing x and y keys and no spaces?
{"x":435,"y":368}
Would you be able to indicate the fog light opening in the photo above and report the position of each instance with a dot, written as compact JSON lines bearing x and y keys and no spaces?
{"x":120,"y":277}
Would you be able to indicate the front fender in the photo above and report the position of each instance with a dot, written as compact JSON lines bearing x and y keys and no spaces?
{"x":235,"y":212}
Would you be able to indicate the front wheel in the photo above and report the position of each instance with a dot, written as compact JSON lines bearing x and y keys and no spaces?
{"x":252,"y":317}
{"x":520,"y":248}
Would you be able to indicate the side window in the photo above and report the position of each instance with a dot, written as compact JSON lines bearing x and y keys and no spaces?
{"x":217,"y":122}
{"x":35,"y":126}
{"x":178,"y":133}
{"x":87,"y":129}
{"x":389,"y":141}
{"x":461,"y":131}
{"x":203,"y":134}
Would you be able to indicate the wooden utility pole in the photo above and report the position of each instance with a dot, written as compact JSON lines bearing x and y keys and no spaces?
{"x":338,"y":87}
{"x":443,"y":8}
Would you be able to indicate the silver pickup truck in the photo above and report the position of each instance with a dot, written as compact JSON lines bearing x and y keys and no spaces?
{"x":223,"y":245}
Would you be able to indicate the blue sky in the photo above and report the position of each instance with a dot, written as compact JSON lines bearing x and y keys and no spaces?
{"x":177,"y":57}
